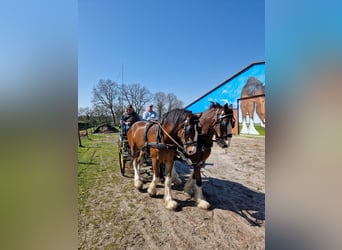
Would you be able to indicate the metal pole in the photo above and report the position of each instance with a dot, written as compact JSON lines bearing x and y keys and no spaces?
{"x":122,"y":83}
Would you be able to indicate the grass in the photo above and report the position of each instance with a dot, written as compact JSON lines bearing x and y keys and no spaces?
{"x":98,"y":176}
{"x":98,"y":156}
{"x":105,"y":201}
{"x":260,"y":129}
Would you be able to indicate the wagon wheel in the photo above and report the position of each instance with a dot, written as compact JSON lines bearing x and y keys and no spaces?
{"x":122,"y":163}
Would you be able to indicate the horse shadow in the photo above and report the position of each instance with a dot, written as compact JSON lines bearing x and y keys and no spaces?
{"x":221,"y":194}
{"x":235,"y":197}
{"x":228,"y":195}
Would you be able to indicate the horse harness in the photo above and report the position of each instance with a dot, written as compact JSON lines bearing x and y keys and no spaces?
{"x":224,"y":124}
{"x":176,"y":146}
{"x":205,"y":141}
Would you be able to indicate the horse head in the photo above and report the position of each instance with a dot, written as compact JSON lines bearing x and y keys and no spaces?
{"x":189,"y":134}
{"x":181,"y":124}
{"x":223,"y":125}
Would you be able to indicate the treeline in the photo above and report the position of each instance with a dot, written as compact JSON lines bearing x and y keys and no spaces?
{"x":109,"y":100}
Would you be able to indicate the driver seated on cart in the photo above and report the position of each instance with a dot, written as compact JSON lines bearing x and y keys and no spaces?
{"x":128,"y":118}
{"x":150,"y":114}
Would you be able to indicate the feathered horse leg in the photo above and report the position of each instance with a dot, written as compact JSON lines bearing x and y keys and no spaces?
{"x":199,"y":197}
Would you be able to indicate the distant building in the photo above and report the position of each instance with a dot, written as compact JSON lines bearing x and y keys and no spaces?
{"x":230,"y":92}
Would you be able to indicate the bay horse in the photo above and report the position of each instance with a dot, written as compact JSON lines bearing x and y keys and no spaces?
{"x":253,"y":87}
{"x":216,"y":120}
{"x":177,"y":132}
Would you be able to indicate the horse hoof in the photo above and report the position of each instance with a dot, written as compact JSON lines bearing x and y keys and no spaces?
{"x":138,"y":184}
{"x":171,"y":205}
{"x":203,"y":204}
{"x":152,"y":192}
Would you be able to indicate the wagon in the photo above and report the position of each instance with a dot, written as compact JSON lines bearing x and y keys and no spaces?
{"x":124,"y":151}
{"x":125,"y":157}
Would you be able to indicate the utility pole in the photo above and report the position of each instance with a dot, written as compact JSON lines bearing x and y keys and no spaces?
{"x":122,"y":84}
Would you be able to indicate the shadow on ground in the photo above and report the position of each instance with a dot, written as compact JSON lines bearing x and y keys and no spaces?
{"x":229,"y":195}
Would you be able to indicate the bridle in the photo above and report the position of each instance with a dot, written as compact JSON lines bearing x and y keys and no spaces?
{"x":220,"y":119}
{"x":187,"y":128}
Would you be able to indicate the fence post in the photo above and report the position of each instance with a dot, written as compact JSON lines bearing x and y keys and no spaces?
{"x":79,"y":137}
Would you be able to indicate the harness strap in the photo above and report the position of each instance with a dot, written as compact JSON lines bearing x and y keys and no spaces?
{"x":168,"y":135}
{"x":148,"y":126}
{"x":161,"y":145}
{"x":159,"y":135}
{"x":183,"y":157}
{"x":218,"y":118}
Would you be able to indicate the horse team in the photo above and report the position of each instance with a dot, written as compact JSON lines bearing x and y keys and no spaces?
{"x":180,"y":134}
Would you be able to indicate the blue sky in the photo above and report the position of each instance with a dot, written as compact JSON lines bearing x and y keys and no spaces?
{"x":181,"y":47}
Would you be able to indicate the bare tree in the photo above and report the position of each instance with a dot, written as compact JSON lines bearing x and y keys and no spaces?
{"x":118,"y":110}
{"x":160,"y":101}
{"x":101,"y":114}
{"x":83,"y":111}
{"x":105,"y":93}
{"x":84,"y":114}
{"x":173,"y":102}
{"x":136,"y":95}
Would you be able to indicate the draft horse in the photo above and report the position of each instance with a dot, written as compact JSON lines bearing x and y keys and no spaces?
{"x":216,"y":120}
{"x":253,"y":87}
{"x":177,"y":132}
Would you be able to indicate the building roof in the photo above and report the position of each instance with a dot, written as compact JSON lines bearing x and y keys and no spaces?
{"x":225,"y":81}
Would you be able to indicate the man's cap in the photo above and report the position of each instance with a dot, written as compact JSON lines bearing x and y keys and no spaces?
{"x":130,"y":106}
{"x":151,"y":105}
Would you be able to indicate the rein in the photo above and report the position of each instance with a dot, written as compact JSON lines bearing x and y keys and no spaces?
{"x":168,"y":135}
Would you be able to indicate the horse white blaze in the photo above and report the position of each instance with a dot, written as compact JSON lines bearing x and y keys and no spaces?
{"x":191,"y":150}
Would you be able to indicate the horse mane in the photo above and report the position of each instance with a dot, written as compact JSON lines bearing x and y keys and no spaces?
{"x":252,"y":86}
{"x":175,"y":116}
{"x":215,"y":105}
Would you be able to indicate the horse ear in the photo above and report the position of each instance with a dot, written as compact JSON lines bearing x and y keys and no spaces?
{"x":198,"y":115}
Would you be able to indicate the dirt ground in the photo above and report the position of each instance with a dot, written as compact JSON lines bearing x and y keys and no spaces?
{"x":121,"y":217}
